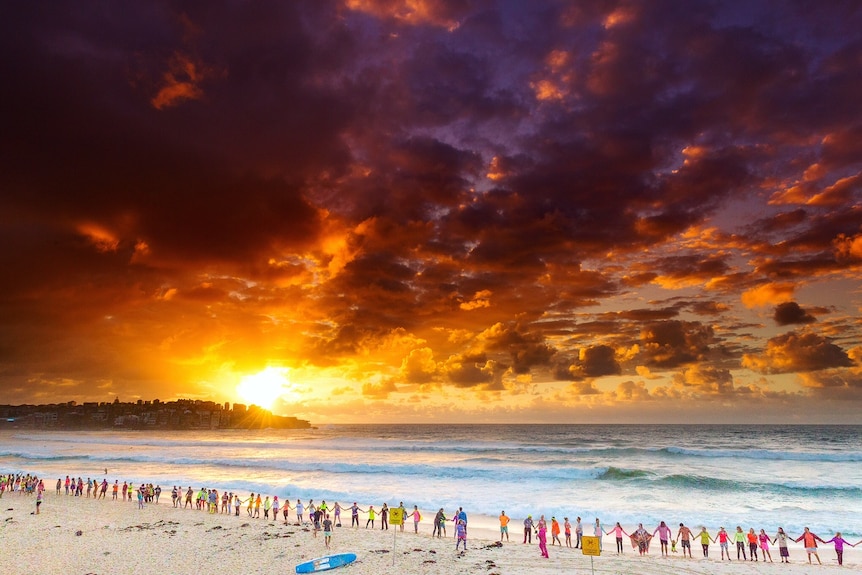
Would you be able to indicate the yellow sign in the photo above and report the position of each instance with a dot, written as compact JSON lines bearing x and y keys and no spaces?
{"x":591,"y":546}
{"x":396,"y":516}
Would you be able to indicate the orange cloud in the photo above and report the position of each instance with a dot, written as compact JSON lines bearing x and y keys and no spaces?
{"x":103,"y":239}
{"x":414,"y":12}
{"x":794,"y":352}
{"x":181,"y":82}
{"x":768,"y":294}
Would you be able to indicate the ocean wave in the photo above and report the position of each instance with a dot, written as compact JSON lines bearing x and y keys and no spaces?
{"x":480,"y":451}
{"x":767,"y":454}
{"x":616,"y":474}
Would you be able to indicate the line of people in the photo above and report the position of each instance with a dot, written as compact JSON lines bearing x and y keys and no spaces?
{"x":640,"y":538}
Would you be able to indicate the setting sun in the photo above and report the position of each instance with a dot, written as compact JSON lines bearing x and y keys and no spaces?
{"x":264,"y":387}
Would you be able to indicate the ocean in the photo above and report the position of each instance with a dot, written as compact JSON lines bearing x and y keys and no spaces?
{"x":757,"y":476}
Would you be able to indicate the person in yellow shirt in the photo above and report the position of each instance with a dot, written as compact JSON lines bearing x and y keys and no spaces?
{"x":504,"y":525}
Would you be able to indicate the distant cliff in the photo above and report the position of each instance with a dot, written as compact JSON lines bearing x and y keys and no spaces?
{"x":180,"y":414}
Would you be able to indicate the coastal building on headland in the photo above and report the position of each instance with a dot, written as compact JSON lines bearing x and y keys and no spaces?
{"x":155,"y":414}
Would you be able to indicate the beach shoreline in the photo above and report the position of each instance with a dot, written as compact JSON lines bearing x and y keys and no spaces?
{"x":80,"y":535}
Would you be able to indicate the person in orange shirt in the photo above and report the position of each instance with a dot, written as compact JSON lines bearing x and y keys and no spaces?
{"x":504,"y":525}
{"x":752,"y":545}
{"x":810,"y":540}
{"x":555,"y":532}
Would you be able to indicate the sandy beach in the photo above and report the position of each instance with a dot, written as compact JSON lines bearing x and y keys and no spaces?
{"x":79,"y":536}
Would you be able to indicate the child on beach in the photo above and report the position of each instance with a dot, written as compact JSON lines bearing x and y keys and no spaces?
{"x":504,"y":524}
{"x":839,"y":541}
{"x":781,"y":539}
{"x":461,"y":535}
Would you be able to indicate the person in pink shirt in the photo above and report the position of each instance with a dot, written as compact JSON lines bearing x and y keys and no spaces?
{"x":542,"y":533}
{"x":417,"y":517}
{"x":840,"y":542}
{"x":618,"y":533}
{"x":722,"y":538}
{"x":664,"y":534}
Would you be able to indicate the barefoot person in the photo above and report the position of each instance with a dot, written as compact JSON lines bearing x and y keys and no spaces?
{"x":684,"y":534}
{"x":763,"y":538}
{"x":781,"y":539}
{"x":460,"y":535}
{"x":840,"y":542}
{"x":722,"y":538}
{"x":567,"y":529}
{"x":664,"y":534}
{"x":327,"y":531}
{"x":739,"y":539}
{"x":618,"y":532}
{"x":504,"y":524}
{"x":528,"y":529}
{"x":809,"y":541}
{"x":542,"y":535}
{"x":555,"y":532}
{"x":704,"y":541}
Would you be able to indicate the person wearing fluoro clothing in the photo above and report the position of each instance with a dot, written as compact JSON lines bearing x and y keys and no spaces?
{"x":840,"y":542}
{"x":542,"y":535}
{"x":739,"y":539}
{"x":722,"y":538}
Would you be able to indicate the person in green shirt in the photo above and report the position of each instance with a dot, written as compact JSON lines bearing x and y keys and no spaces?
{"x":739,"y":537}
{"x":371,"y":515}
{"x":704,"y":541}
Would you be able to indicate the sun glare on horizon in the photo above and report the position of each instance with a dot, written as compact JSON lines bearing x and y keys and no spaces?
{"x":264,"y":387}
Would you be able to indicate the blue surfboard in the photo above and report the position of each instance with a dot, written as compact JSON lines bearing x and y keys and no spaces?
{"x":326,"y":563}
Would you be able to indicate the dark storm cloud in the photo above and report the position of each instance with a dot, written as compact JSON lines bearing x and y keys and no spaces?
{"x":673,"y":343}
{"x":791,"y":313}
{"x":507,"y":183}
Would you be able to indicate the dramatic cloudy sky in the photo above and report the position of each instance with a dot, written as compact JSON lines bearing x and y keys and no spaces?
{"x":421,"y":210}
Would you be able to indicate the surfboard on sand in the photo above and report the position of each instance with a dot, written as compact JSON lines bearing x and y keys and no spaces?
{"x":326,"y":563}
